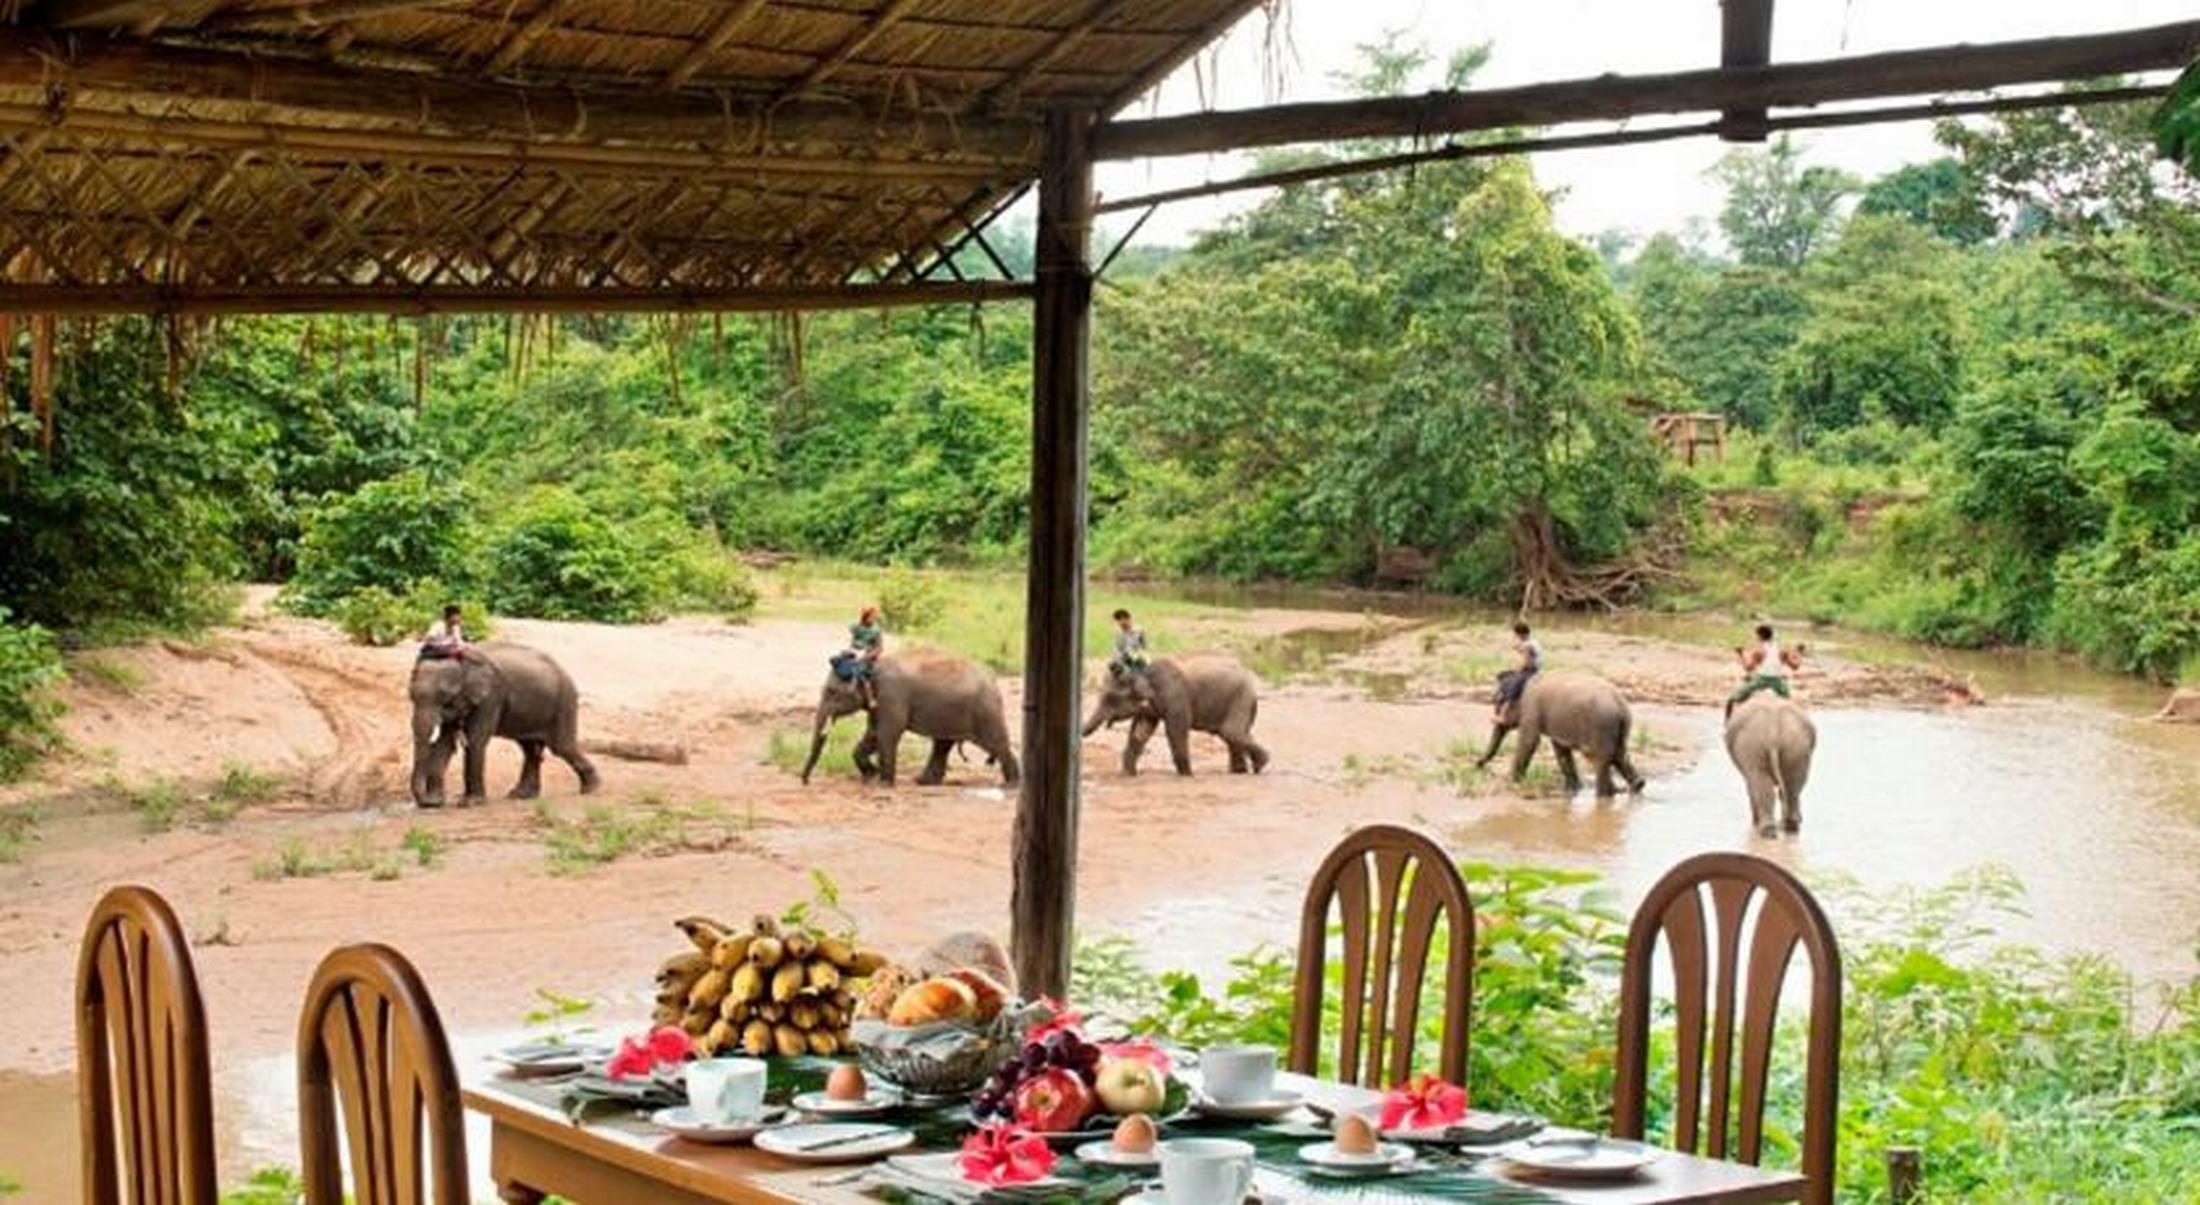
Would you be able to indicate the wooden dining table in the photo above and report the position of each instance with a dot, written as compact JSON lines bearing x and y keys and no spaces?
{"x":535,"y":1151}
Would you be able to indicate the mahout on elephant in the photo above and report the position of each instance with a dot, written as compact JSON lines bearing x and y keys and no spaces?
{"x":1194,"y":692}
{"x":1580,"y":712}
{"x":496,"y":689}
{"x":945,"y":698}
{"x":1771,"y":741}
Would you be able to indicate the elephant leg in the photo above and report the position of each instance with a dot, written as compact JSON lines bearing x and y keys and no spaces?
{"x":477,"y":770}
{"x":1497,"y":740}
{"x":1569,"y":770}
{"x":1523,"y":751}
{"x":935,"y":767}
{"x":1607,"y":785}
{"x":1180,"y":744}
{"x":1237,"y":757}
{"x":1762,"y":788}
{"x":1791,"y":793}
{"x":1627,"y":771}
{"x":889,"y":751}
{"x":438,"y":760}
{"x":1135,"y":746}
{"x":865,"y":754}
{"x":570,"y":753}
{"x":1012,"y":771}
{"x":530,"y":771}
{"x":1242,"y":745}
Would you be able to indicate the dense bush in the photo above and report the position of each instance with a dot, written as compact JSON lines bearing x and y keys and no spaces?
{"x":373,"y":615}
{"x":553,"y":556}
{"x":30,"y":669}
{"x":388,"y":534}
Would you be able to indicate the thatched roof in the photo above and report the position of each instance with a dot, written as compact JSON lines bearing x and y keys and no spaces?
{"x":248,"y":148}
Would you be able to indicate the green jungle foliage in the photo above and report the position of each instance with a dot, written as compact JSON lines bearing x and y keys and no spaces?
{"x":2022,"y":1077}
{"x":30,"y":668}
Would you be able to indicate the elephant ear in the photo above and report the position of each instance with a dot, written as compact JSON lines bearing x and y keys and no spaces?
{"x":481,"y":681}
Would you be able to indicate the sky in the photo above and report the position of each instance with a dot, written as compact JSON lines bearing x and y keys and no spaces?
{"x":1657,"y":186}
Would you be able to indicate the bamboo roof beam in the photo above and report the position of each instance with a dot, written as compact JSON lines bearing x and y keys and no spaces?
{"x":714,"y":41}
{"x":537,"y":24}
{"x":1611,"y":97}
{"x":1161,"y":68}
{"x":1099,"y":14}
{"x":313,"y":16}
{"x":894,"y":11}
{"x":532,"y":114}
{"x":500,"y":299}
{"x":1745,"y":40}
{"x":74,"y":13}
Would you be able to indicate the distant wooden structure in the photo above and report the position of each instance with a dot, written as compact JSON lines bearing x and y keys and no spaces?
{"x":1683,"y":433}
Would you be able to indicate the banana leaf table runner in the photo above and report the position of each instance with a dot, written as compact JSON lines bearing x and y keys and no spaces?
{"x":1443,"y":1174}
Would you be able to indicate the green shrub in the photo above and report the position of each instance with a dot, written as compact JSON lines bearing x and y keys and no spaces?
{"x":373,"y":615}
{"x":910,"y":600}
{"x":707,"y":578}
{"x":30,"y":669}
{"x":389,"y":535}
{"x":555,"y":557}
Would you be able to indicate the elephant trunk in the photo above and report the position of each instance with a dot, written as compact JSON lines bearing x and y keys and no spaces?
{"x":1497,"y":739}
{"x":424,"y":755}
{"x":817,"y":742}
{"x":1093,"y":722}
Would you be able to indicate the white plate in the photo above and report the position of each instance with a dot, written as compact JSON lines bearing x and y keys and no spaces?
{"x":1477,"y":1129}
{"x":1155,"y":1196}
{"x":1249,"y":1110}
{"x":681,"y":1120}
{"x":789,"y":1142}
{"x":875,"y":1101}
{"x":1385,"y":1157}
{"x":947,"y":1169}
{"x":550,"y":1058}
{"x":1588,"y":1159}
{"x":1104,"y":1154}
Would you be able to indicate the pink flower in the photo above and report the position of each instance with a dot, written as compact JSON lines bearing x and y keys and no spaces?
{"x":1142,"y":1049}
{"x":997,"y":1154}
{"x":638,"y":1057}
{"x":1061,"y":1017}
{"x":1425,"y":1103}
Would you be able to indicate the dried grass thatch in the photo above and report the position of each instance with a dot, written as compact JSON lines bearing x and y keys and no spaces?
{"x":172,"y":152}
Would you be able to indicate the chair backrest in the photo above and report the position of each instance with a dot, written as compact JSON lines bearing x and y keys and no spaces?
{"x":147,"y":1101}
{"x":1703,"y":908}
{"x":370,"y":1039}
{"x":1390,"y":886}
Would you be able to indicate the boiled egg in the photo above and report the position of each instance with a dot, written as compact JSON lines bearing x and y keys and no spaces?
{"x":1135,"y":1135}
{"x":1355,"y":1135}
{"x":846,"y":1083}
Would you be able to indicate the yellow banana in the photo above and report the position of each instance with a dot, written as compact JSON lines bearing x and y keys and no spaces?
{"x":697,"y":1022}
{"x":703,"y":931}
{"x":767,"y":951}
{"x":804,"y":1014}
{"x":667,"y":1014}
{"x":682,"y":967}
{"x":823,"y":975}
{"x":728,"y":953}
{"x":790,"y":1040}
{"x":723,"y":1034}
{"x":734,"y":1009}
{"x":799,"y":945}
{"x":764,"y":924}
{"x":823,"y":1042}
{"x":786,"y":980}
{"x":747,"y":982}
{"x":708,"y":990}
{"x":756,"y":1037}
{"x":772,"y":1010}
{"x":866,"y":962}
{"x":837,"y":951}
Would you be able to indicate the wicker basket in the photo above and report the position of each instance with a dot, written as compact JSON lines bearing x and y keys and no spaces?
{"x":929,"y":1074}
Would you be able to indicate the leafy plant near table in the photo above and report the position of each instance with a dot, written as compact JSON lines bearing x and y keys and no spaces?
{"x":2022,"y":1077}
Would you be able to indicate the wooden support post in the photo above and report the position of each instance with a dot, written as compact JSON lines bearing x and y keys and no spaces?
{"x":1745,"y":40}
{"x":1905,"y":1175}
{"x":1054,"y":615}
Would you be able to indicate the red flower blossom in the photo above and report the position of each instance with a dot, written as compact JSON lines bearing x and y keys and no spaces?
{"x":997,"y":1154}
{"x":1142,"y":1049}
{"x":1062,"y":1017}
{"x":638,"y":1057}
{"x":1425,"y":1103}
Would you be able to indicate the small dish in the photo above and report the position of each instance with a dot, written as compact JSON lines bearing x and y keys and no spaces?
{"x":550,"y":1058}
{"x":681,"y":1120}
{"x":833,"y":1142}
{"x":1105,"y":1154}
{"x":1476,"y":1129}
{"x":1155,"y":1195}
{"x":1588,"y":1157}
{"x":1386,"y":1157}
{"x":875,"y":1102}
{"x":1274,"y":1107}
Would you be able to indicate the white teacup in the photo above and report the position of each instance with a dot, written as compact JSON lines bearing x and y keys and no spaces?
{"x":1206,"y":1171}
{"x":723,"y":1090}
{"x":1238,"y":1075}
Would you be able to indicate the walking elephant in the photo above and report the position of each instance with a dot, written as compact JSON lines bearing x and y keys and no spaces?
{"x":498,"y":689}
{"x":1204,"y":692}
{"x":1771,"y":742}
{"x":1579,"y":712}
{"x":945,"y":698}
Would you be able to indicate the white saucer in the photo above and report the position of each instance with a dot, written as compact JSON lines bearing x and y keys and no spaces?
{"x":875,"y":1101}
{"x":1249,"y":1110}
{"x":1387,"y":1156}
{"x":1589,"y":1159}
{"x":550,"y":1058}
{"x":1155,"y":1196}
{"x":1104,"y":1154}
{"x":790,"y":1141}
{"x":681,"y":1120}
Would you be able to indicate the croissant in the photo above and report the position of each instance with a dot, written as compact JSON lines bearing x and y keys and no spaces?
{"x":932,"y":1001}
{"x":991,"y":997}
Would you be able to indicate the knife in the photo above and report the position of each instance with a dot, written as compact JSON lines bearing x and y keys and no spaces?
{"x":847,"y":1139}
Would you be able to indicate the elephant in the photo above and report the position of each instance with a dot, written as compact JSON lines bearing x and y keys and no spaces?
{"x":1207,"y":692}
{"x":497,"y":689}
{"x":1771,"y":742}
{"x":945,"y":698}
{"x":1577,"y":710}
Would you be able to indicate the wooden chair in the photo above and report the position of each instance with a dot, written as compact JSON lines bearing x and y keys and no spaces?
{"x":1390,"y":886}
{"x":141,"y":1054}
{"x":1740,"y":892}
{"x":370,"y":1038}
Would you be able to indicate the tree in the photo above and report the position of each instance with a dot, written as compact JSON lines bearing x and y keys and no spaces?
{"x":1885,"y":335}
{"x":1938,"y":195}
{"x":1778,"y":211}
{"x":1720,"y":330}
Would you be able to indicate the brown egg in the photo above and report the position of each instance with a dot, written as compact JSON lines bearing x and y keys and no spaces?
{"x":1355,"y":1135}
{"x":846,"y":1083}
{"x":1135,"y":1135}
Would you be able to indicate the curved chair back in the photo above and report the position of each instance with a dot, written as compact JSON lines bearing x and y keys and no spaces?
{"x":1390,"y":886}
{"x":369,"y":1039}
{"x":147,"y":1104}
{"x":1704,"y":908}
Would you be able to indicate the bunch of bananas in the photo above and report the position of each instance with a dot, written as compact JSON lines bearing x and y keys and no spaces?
{"x":762,"y":990}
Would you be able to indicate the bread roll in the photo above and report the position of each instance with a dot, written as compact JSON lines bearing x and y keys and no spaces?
{"x":991,"y":997}
{"x":880,"y":991}
{"x":932,"y":1001}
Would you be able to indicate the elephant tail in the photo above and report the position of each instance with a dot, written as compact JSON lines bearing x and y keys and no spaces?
{"x":1779,"y":780}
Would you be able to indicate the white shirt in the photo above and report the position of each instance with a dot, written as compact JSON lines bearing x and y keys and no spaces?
{"x":1772,"y":664}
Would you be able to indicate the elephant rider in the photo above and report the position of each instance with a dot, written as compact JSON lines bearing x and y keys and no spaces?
{"x":446,"y":639}
{"x":866,"y":642}
{"x":1765,"y":666}
{"x":1130,"y":646}
{"x":1527,"y":663}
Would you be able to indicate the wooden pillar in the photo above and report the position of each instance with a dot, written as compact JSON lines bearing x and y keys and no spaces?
{"x":1905,"y":1175}
{"x":1054,"y":599}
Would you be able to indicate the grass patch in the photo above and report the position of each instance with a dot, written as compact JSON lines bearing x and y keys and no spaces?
{"x":425,"y":845}
{"x":297,"y":858}
{"x":18,"y":829}
{"x":788,"y":748}
{"x":241,"y":784}
{"x":267,"y":1186}
{"x":158,"y":803}
{"x":604,"y":833}
{"x":118,"y":676}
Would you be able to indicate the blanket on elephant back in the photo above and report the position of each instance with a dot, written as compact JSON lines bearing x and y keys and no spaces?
{"x":848,"y":666}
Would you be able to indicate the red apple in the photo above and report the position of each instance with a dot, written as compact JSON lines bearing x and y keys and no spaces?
{"x":1053,"y":1101}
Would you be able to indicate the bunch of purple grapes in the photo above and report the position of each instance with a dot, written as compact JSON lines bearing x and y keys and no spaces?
{"x":1062,"y":1049}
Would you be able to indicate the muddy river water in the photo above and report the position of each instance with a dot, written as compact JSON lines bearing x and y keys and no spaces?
{"x":2059,"y":778}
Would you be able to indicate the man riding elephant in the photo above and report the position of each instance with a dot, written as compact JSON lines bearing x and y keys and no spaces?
{"x":1204,"y":692}
{"x":945,"y":698}
{"x":1771,"y":742}
{"x":1578,"y":711}
{"x":495,"y":689}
